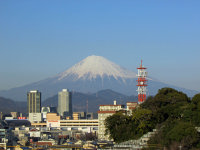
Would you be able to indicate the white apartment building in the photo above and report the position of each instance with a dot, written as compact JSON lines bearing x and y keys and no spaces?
{"x":104,"y":112}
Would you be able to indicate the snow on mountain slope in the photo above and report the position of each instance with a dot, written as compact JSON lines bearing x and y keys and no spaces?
{"x":94,"y":66}
{"x":92,"y":74}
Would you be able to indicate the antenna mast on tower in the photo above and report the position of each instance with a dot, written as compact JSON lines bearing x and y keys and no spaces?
{"x":141,"y":83}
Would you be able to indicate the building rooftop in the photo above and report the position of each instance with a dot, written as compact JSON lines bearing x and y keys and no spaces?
{"x":18,"y":123}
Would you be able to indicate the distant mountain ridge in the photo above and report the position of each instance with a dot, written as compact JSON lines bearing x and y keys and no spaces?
{"x":8,"y":105}
{"x":80,"y":100}
{"x":92,"y":74}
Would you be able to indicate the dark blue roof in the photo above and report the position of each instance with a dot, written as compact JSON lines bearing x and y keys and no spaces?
{"x":18,"y":123}
{"x":25,"y":148}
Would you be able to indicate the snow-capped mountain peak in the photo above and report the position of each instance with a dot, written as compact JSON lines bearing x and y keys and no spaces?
{"x":92,"y":74}
{"x":94,"y":66}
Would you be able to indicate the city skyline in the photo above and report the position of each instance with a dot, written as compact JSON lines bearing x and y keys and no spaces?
{"x":40,"y":39}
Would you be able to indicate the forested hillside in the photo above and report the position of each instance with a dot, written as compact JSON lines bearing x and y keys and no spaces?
{"x":171,"y":112}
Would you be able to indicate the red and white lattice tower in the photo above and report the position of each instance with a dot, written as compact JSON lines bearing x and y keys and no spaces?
{"x":142,"y":83}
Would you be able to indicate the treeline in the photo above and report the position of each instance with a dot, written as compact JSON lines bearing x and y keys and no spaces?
{"x":171,"y":112}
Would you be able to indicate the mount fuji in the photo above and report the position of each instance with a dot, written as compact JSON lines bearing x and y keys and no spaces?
{"x":90,"y":75}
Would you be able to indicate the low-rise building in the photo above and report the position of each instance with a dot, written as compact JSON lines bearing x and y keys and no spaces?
{"x":35,"y":133}
{"x":76,"y":116}
{"x":35,"y":117}
{"x":15,"y":115}
{"x":53,"y":120}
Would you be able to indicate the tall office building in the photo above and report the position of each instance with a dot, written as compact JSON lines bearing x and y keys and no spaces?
{"x":34,"y":101}
{"x":65,"y":103}
{"x":34,"y":105}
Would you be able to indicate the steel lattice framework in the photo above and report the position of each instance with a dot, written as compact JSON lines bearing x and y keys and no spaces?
{"x":142,"y":83}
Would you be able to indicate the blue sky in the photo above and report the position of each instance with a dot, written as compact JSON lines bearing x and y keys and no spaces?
{"x":40,"y":38}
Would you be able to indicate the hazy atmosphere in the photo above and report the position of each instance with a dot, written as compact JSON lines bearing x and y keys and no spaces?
{"x":39,"y":39}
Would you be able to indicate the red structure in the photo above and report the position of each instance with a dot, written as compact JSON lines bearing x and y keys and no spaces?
{"x":142,"y":83}
{"x":20,"y":118}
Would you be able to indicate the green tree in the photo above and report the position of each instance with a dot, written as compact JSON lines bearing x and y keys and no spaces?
{"x":196,"y":99}
{"x":182,"y":133}
{"x":167,"y":103}
{"x":119,"y":127}
{"x":176,"y":117}
{"x":143,"y":120}
{"x":192,"y":113}
{"x":170,"y":111}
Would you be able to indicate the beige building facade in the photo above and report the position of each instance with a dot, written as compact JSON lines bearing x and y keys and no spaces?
{"x":104,"y":112}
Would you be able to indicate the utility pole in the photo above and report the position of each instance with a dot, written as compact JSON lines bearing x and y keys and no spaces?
{"x":86,"y":108}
